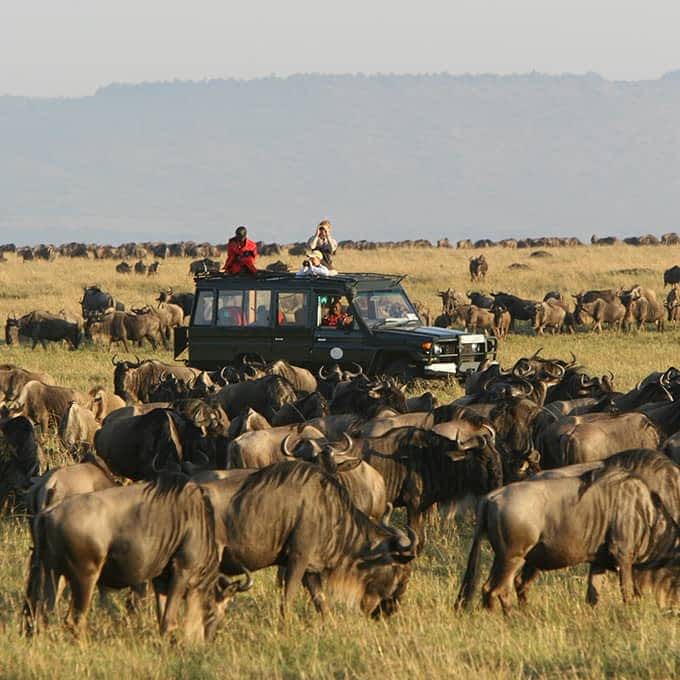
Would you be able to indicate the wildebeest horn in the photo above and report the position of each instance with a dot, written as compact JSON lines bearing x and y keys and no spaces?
{"x":408,"y":541}
{"x":114,"y":362}
{"x":529,"y":388}
{"x":385,"y":519}
{"x":348,"y":442}
{"x":359,"y":372}
{"x":492,"y":432}
{"x":321,"y":373}
{"x":223,"y":369}
{"x":536,"y":353}
{"x":247,"y":583}
{"x":284,"y":446}
{"x":573,"y":360}
{"x":153,"y":464}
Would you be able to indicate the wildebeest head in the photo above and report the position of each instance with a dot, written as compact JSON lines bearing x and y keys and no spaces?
{"x":386,"y":567}
{"x":121,"y":376}
{"x":321,"y":451}
{"x":23,"y":457}
{"x":12,"y":330}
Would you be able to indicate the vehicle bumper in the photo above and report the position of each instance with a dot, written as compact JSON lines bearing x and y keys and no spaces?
{"x":441,"y":370}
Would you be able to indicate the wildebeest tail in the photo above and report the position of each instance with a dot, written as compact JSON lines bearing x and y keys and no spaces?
{"x":35,"y":582}
{"x":471,"y":576}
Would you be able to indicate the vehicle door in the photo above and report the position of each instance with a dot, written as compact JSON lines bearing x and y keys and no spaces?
{"x":229,"y":323}
{"x":337,"y":337}
{"x":293,"y":329}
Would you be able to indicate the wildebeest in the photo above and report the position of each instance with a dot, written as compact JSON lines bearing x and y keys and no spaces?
{"x":13,"y":379}
{"x":478,"y":268}
{"x":42,"y":327}
{"x":501,"y":321}
{"x":330,"y":376}
{"x":299,"y":517}
{"x":552,"y":314}
{"x":41,"y":402}
{"x":600,"y":312}
{"x":123,"y":268}
{"x":478,"y":319}
{"x":134,"y":381}
{"x":642,"y":307}
{"x":310,"y":406}
{"x":138,"y":447}
{"x":421,"y":467}
{"x":23,"y":457}
{"x":172,"y":316}
{"x":77,"y":427}
{"x":123,"y":326}
{"x":607,"y":519}
{"x":203,"y":266}
{"x":141,"y":268}
{"x":266,"y":395}
{"x":96,"y":300}
{"x":363,"y":482}
{"x":579,"y":439}
{"x":184,"y":300}
{"x":522,"y":310}
{"x":124,"y":536}
{"x":366,"y":397}
{"x":671,"y":276}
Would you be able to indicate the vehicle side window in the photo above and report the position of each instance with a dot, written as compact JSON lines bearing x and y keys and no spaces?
{"x":258,"y":309}
{"x":230,"y":308}
{"x":292,"y":309}
{"x":205,"y":306}
{"x":334,"y":312}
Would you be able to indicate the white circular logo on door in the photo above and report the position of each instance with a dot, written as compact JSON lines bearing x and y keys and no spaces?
{"x":337,"y":353}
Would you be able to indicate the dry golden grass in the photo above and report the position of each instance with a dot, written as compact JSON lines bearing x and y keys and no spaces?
{"x":557,"y":635}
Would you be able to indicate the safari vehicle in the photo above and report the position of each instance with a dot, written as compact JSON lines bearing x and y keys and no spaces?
{"x":281,"y":316}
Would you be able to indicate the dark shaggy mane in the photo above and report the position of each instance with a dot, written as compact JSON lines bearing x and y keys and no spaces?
{"x":167,"y":483}
{"x":452,"y":412}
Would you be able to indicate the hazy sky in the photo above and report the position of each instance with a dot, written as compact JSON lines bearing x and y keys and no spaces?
{"x":71,"y":47}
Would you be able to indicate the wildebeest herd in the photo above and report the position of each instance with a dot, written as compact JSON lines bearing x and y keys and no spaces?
{"x":189,"y":482}
{"x":618,"y":309}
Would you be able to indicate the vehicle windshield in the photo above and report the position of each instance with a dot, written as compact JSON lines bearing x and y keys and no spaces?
{"x":385,"y":308}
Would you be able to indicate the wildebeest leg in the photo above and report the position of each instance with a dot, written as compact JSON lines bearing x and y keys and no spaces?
{"x":501,"y":581}
{"x":626,"y":579}
{"x":176,"y":591}
{"x":125,"y":345}
{"x":164,"y":341}
{"x":595,"y":580}
{"x":414,"y":518}
{"x":152,"y":342}
{"x":193,"y":617}
{"x":523,"y":581}
{"x":82,"y":589}
{"x":312,"y":582}
{"x":160,"y":606}
{"x":295,"y":570}
{"x":135,"y":596}
{"x":43,"y":343}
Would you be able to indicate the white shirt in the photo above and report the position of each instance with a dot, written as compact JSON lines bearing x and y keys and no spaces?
{"x":319,"y":270}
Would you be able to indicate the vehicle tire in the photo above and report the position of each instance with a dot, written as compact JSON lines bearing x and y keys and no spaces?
{"x":401,"y":369}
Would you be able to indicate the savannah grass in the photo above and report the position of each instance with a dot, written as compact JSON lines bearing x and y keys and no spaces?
{"x":558,"y":634}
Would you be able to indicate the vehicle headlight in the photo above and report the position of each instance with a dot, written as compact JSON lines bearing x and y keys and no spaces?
{"x":437,"y":349}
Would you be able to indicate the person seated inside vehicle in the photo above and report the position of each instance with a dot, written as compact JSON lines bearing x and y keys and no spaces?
{"x":336,"y":317}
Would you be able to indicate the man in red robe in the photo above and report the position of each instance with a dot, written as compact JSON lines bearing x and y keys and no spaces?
{"x":241,"y":254}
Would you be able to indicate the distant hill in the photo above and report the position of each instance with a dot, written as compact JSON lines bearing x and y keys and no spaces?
{"x":385,"y":157}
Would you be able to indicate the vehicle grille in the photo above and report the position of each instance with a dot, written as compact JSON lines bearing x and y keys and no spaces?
{"x":449,"y":349}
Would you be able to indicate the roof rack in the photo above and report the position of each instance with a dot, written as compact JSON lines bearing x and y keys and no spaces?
{"x":263,"y":275}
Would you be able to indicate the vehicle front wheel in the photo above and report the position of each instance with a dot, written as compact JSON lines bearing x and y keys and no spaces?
{"x":401,"y":369}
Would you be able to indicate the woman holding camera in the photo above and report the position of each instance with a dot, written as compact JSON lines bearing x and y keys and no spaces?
{"x":324,"y":243}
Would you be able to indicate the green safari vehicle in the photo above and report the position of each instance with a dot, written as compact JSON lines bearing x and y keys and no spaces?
{"x":283,"y":316}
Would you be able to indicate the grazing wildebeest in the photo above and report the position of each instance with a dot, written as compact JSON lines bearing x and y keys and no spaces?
{"x":297,"y":516}
{"x":607,"y":519}
{"x":141,"y":268}
{"x":310,"y":406}
{"x":123,"y":268}
{"x":42,"y":327}
{"x":40,"y":402}
{"x":162,"y":532}
{"x":203,"y":266}
{"x":600,"y":312}
{"x":77,"y":427}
